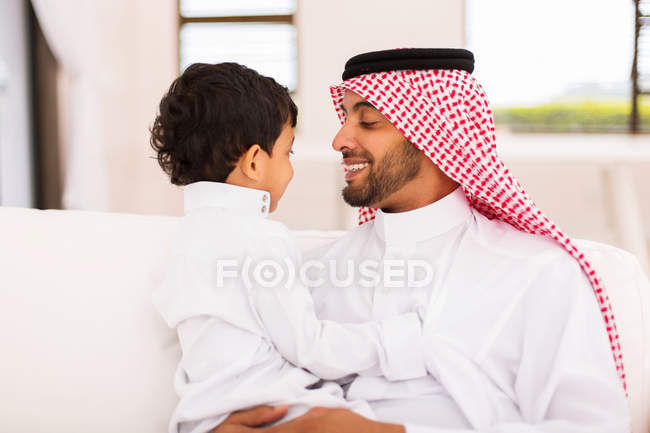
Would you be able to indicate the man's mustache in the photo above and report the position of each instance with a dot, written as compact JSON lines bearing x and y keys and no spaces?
{"x":363,"y":154}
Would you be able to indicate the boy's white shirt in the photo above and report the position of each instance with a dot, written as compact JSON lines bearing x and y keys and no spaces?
{"x":229,"y":326}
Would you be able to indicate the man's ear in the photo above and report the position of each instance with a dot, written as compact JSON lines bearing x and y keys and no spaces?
{"x":251,"y":162}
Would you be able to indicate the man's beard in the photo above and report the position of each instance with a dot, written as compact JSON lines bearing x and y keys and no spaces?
{"x":399,"y":166}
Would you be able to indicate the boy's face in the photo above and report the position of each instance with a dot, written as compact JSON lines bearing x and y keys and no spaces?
{"x":257,"y":169}
{"x":279,"y":170}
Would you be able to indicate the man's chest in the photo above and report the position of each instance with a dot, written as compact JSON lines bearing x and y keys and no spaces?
{"x":458,"y":291}
{"x":373,"y":280}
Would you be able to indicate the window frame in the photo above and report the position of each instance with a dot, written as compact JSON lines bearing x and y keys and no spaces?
{"x":273,"y":19}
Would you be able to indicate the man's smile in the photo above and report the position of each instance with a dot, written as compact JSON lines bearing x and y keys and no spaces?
{"x":353,"y":167}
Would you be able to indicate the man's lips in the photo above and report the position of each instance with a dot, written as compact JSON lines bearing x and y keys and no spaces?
{"x":353,"y":166}
{"x":353,"y":160}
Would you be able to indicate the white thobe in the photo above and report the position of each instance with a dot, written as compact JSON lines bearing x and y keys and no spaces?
{"x":514,"y":339}
{"x":229,"y":324}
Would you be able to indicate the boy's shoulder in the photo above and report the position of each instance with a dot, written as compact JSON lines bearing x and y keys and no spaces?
{"x":218,"y":230}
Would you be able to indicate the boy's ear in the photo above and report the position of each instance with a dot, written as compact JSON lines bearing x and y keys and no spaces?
{"x":251,"y":162}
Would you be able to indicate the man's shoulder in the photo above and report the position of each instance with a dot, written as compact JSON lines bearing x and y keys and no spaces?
{"x":543,"y":267}
{"x":605,"y":251}
{"x":501,"y":238}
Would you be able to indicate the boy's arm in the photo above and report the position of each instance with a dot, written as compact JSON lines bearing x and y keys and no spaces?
{"x":216,"y":353}
{"x":215,"y":356}
{"x":227,"y":364}
{"x":332,"y":350}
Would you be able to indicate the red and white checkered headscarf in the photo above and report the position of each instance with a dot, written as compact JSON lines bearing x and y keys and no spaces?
{"x":446,"y":114}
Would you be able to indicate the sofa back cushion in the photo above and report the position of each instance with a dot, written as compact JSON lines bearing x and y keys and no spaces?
{"x":84,"y":350}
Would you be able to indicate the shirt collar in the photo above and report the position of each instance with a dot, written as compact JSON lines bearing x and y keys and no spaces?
{"x":205,"y":194}
{"x":425,"y":222}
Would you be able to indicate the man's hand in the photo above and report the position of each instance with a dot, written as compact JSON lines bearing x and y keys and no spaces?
{"x":245,"y":421}
{"x":316,"y":420}
{"x":327,"y":420}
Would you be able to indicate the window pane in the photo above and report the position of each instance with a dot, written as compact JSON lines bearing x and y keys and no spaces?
{"x":644,"y":58}
{"x":269,"y":48}
{"x":545,"y":70}
{"x":539,"y":55}
{"x":205,"y":8}
{"x":644,"y":7}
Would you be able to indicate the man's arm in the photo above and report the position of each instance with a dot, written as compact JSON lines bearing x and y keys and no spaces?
{"x":316,"y":420}
{"x":327,"y":420}
{"x":552,"y":358}
{"x":565,"y":380}
{"x":246,"y":421}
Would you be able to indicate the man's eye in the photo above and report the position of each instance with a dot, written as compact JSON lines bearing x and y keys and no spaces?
{"x":367,"y":124}
{"x":291,"y":151}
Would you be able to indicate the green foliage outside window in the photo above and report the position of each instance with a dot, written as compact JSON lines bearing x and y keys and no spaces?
{"x":586,"y":116}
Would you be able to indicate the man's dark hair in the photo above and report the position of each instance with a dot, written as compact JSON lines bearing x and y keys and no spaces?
{"x":210,"y":117}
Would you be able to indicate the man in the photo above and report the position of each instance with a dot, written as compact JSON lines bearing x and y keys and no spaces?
{"x":518,"y":331}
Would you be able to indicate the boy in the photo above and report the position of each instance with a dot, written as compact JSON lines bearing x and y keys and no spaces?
{"x":225,"y":133}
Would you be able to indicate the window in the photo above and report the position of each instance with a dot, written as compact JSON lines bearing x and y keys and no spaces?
{"x":257,"y":33}
{"x":557,"y":66}
{"x":640,"y":68}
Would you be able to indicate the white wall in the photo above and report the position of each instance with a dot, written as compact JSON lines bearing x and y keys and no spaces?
{"x":147,"y":47}
{"x":116,"y":59}
{"x":143,"y":48}
{"x":15,"y":123}
{"x":329,"y":33}
{"x":138,"y":42}
{"x":594,"y":186}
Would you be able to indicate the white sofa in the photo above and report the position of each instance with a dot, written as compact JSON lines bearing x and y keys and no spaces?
{"x":82,"y":349}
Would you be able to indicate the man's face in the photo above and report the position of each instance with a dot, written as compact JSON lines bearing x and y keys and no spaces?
{"x":378,"y":160}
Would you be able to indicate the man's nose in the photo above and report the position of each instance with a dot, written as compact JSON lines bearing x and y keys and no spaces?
{"x":344,"y":140}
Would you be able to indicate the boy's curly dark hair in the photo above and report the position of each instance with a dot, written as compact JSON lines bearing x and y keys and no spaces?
{"x":212,"y":114}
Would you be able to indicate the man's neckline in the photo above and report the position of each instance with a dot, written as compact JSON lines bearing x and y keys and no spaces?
{"x":425,"y":222}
